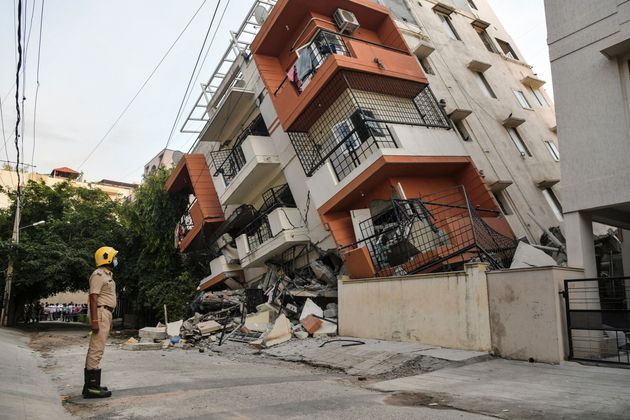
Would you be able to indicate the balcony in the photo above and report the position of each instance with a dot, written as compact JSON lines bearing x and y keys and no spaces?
{"x":242,"y":172}
{"x":204,"y":214}
{"x":299,"y":35}
{"x":223,"y":272}
{"x":351,"y":120}
{"x":437,"y":232}
{"x":270,"y":235}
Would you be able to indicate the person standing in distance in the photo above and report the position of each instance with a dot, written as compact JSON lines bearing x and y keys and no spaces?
{"x":102,"y":303}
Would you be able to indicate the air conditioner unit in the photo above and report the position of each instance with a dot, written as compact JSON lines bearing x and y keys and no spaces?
{"x":346,"y":21}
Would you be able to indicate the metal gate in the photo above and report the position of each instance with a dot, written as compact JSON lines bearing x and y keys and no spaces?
{"x":598,"y":319}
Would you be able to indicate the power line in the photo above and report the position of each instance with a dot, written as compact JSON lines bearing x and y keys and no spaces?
{"x":17,"y":94}
{"x":143,"y":86}
{"x":192,"y":75}
{"x":39,"y":51}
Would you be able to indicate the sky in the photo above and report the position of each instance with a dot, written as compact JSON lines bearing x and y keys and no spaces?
{"x":95,"y":55}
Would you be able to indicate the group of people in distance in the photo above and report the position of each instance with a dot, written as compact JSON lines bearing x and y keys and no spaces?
{"x":66,"y":312}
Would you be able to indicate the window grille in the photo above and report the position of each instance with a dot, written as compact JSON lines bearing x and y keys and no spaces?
{"x":348,"y":121}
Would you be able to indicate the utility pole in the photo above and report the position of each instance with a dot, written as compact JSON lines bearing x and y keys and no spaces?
{"x":6,"y":300}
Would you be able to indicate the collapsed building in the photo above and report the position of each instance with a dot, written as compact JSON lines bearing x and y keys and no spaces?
{"x":363,"y":139}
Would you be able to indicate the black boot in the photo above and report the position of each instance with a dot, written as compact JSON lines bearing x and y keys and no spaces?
{"x":92,"y":386}
{"x":98,"y":374}
{"x":104,"y":388}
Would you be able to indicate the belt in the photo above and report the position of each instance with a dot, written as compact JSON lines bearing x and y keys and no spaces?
{"x":109,"y":308}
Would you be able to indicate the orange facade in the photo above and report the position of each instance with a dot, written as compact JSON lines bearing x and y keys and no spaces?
{"x":377,"y":48}
{"x":192,"y":176}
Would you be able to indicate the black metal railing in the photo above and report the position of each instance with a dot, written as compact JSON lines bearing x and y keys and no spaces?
{"x":598,"y":319}
{"x":438,"y":232}
{"x":311,"y":57}
{"x":349,"y":120}
{"x":259,"y":230}
{"x":229,"y":162}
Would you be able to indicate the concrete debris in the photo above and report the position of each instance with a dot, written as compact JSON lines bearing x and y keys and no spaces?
{"x":527,"y":256}
{"x":330,"y":312}
{"x":311,"y":323}
{"x":172,"y":328}
{"x":327,"y":329}
{"x":300,"y":335}
{"x":153,"y":333}
{"x":310,"y":308}
{"x":280,"y":333}
{"x":142,"y":346}
{"x":208,"y":327}
{"x":258,"y":322}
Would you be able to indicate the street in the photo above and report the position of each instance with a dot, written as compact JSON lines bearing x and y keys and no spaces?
{"x":187,"y":384}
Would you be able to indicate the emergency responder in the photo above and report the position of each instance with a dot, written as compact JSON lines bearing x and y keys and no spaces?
{"x":102,"y":304}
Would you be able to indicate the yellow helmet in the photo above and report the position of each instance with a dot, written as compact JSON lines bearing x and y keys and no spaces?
{"x":104,"y":255}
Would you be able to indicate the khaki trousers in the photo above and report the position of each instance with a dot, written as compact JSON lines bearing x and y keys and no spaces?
{"x":97,"y":341}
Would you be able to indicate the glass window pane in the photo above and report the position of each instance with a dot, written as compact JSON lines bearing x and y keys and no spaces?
{"x":553,"y":150}
{"x":553,"y":202}
{"x":484,"y":85}
{"x":520,"y":96}
{"x":518,"y":142}
{"x":448,"y":27}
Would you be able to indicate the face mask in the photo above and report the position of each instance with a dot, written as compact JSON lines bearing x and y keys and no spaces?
{"x":115,"y":263}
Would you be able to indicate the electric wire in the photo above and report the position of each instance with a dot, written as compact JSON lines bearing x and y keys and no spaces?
{"x":190,"y":80}
{"x":124,"y":111}
{"x":17,"y":95}
{"x":39,"y":51}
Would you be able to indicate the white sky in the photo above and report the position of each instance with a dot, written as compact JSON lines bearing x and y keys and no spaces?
{"x":96,"y":54}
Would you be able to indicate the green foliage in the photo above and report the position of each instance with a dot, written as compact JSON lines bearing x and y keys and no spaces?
{"x":154,"y":271}
{"x":58,"y":256}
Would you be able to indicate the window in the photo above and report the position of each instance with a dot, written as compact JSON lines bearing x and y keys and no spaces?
{"x":355,"y":130}
{"x":461,"y":129}
{"x":426,"y":66}
{"x":472,"y":4}
{"x":540,"y":98}
{"x":507,"y":49}
{"x":484,"y":85}
{"x":553,"y":150}
{"x":448,"y":27}
{"x":344,"y":133}
{"x":501,"y":197}
{"x":485,"y":38}
{"x":520,"y":96}
{"x":553,"y":202}
{"x":518,"y":142}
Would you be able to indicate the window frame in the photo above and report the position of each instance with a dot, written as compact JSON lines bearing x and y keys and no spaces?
{"x":509,"y":51}
{"x":519,"y":142}
{"x":462,"y":130}
{"x":426,"y":66}
{"x":540,"y":98}
{"x":553,"y":202}
{"x":502,"y":200}
{"x":484,"y":85}
{"x":486,"y":39}
{"x":447,"y":24}
{"x":522,"y":99}
{"x":472,"y":4}
{"x":554,"y":151}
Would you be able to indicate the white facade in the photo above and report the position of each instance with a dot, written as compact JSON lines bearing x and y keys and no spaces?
{"x":516,"y":167}
{"x":589,"y":44}
{"x":167,"y":158}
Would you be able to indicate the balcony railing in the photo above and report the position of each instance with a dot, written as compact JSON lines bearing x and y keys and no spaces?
{"x":353,"y":122}
{"x":437,"y":231}
{"x":229,"y":162}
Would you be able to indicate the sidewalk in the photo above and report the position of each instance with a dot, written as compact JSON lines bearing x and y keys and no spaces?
{"x":25,"y":391}
{"x":516,"y":390}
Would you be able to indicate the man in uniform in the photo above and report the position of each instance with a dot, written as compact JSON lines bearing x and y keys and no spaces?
{"x":102,"y":304}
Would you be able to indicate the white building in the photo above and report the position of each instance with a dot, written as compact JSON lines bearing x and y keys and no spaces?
{"x":394,"y":139}
{"x":589,"y":44}
{"x":167,"y":158}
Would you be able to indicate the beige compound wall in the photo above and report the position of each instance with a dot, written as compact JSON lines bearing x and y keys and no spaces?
{"x":445,"y":309}
{"x":527,"y":313}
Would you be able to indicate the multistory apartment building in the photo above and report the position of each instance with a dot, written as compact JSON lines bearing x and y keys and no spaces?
{"x":589,"y":45}
{"x":167,"y":158}
{"x":406,"y":136}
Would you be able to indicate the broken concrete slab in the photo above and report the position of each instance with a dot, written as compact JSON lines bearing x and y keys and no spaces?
{"x":527,"y":256}
{"x":264,"y":307}
{"x":327,"y":329}
{"x":208,"y":327}
{"x":330,"y":313}
{"x":311,"y":308}
{"x":173,"y":328}
{"x":280,"y":332}
{"x":258,"y":322}
{"x":301,"y":335}
{"x":311,"y":323}
{"x":153,"y":333}
{"x":142,"y":346}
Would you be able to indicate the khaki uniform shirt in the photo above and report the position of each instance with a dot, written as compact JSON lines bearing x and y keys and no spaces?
{"x":102,"y":284}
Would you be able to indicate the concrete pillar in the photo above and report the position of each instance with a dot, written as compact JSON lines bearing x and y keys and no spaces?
{"x":625,"y":253}
{"x":580,"y":242}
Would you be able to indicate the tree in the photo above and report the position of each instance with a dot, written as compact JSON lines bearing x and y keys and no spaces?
{"x":58,"y":256}
{"x":153,"y":270}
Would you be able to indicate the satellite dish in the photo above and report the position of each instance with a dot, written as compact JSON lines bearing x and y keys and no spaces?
{"x":260,"y":14}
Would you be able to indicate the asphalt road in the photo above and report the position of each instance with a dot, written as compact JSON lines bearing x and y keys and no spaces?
{"x":188,"y":385}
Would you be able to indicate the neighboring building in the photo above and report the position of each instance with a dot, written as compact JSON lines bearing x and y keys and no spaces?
{"x":325,"y":135}
{"x":167,"y":158}
{"x":589,"y":44}
{"x":114,"y":189}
